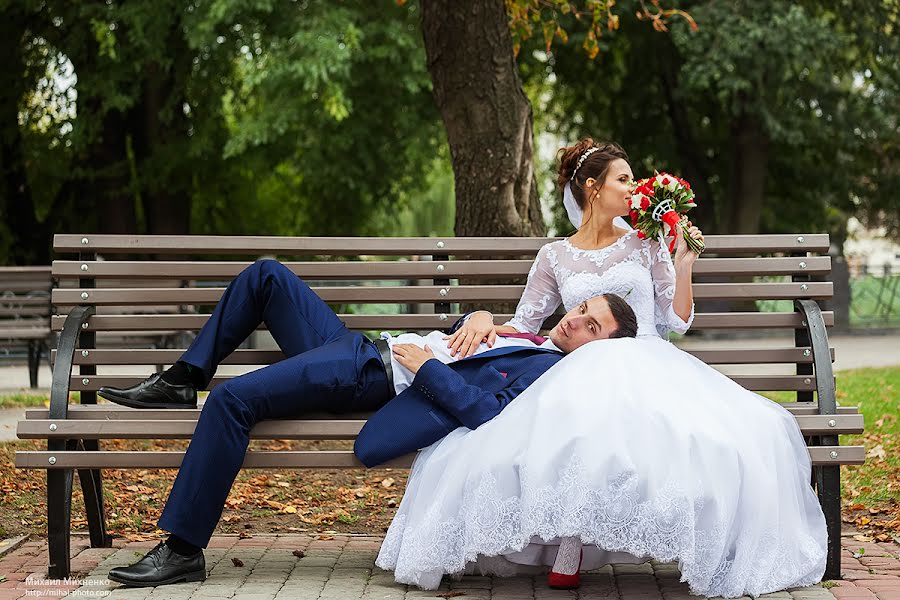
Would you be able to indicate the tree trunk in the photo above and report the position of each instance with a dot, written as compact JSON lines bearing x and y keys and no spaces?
{"x":167,"y":209}
{"x":749,"y":162}
{"x":487,"y":117}
{"x":697,"y":169}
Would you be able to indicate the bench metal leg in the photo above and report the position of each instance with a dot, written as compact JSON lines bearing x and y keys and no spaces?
{"x":828,"y":486}
{"x":34,"y":361}
{"x":59,"y":512}
{"x":92,"y":488}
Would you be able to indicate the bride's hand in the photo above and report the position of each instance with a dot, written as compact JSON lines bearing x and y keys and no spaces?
{"x":478,"y":328}
{"x":684,"y":256}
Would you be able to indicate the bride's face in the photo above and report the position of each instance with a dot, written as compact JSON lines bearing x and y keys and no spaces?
{"x":613,"y":196}
{"x":589,"y":321}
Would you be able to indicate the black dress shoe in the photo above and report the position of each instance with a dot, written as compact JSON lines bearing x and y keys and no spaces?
{"x":161,"y":566}
{"x":153,"y":392}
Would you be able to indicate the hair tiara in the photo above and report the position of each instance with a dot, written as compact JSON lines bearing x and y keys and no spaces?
{"x":582,"y":158}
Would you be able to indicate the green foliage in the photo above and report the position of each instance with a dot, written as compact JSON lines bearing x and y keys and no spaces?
{"x":262,"y":116}
{"x":815,"y":81}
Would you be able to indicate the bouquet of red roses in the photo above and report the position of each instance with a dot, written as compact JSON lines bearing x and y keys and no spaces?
{"x":658,"y":206}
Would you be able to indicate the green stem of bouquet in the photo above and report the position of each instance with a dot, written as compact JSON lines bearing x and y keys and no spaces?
{"x":695,"y":245}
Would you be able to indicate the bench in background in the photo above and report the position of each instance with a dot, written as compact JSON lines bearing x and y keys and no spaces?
{"x":25,"y":314}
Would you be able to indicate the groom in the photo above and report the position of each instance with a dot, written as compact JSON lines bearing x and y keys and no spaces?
{"x":331,"y":369}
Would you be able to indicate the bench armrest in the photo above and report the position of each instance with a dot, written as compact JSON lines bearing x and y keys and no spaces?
{"x":818,"y":337}
{"x":65,"y":356}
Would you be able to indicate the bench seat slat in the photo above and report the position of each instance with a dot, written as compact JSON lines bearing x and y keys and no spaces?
{"x":172,"y":429}
{"x":404,"y":294}
{"x":349,"y":246}
{"x":116,"y":412}
{"x":727,"y":356}
{"x":115,"y":459}
{"x":305,"y":429}
{"x":407,"y":269}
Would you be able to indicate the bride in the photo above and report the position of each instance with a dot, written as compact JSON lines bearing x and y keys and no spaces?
{"x":627,"y":450}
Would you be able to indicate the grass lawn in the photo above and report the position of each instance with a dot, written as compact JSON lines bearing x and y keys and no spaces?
{"x":871,"y":492}
{"x":365,"y":501}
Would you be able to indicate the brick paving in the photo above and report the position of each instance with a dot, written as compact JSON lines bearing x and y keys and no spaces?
{"x":341,"y":567}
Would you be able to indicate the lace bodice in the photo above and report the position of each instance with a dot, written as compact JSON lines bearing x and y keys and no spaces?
{"x":640,"y":271}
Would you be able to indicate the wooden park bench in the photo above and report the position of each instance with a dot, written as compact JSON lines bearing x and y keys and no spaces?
{"x":25,"y":314}
{"x":421,"y":277}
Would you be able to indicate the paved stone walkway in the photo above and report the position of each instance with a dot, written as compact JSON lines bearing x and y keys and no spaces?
{"x":341,"y":567}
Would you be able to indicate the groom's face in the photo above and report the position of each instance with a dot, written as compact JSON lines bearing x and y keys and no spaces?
{"x":591,"y":320}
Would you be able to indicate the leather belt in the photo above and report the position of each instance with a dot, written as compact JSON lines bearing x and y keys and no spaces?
{"x":384,"y":349}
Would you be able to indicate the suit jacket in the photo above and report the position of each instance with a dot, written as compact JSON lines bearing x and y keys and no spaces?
{"x":468,"y":392}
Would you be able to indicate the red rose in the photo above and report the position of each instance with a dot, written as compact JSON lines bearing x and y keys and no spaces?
{"x":645,"y":204}
{"x":665,"y":181}
{"x":642,"y":235}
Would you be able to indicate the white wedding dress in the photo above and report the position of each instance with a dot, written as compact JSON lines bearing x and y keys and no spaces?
{"x":637,"y":448}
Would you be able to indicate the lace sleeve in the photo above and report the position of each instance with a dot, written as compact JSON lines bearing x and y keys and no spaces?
{"x":541,"y":296}
{"x":663,"y":272}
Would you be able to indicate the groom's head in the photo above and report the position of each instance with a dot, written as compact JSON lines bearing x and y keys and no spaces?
{"x":602,"y":317}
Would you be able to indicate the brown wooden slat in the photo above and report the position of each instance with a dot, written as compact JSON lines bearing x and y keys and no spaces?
{"x":422,"y":321}
{"x":195,"y":244}
{"x":38,"y":300}
{"x":24,"y":333}
{"x":116,"y":412}
{"x":109,"y":411}
{"x":37,"y":271}
{"x":171,"y":429}
{"x":751,"y":382}
{"x":367,"y":270}
{"x":24,"y":286}
{"x":843,"y":455}
{"x":812,"y":408}
{"x":430,"y":293}
{"x":726,"y":356}
{"x":830,"y":424}
{"x":342,"y":270}
{"x":303,"y":429}
{"x":820,"y":455}
{"x":30,"y":311}
{"x":171,"y":460}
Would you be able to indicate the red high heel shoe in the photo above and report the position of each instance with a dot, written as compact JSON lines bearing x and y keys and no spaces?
{"x":558,"y":581}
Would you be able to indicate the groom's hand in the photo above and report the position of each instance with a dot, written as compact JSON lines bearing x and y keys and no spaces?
{"x":411,"y":356}
{"x":478,"y":328}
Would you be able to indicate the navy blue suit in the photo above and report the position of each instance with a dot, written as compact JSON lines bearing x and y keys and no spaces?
{"x":326,"y":368}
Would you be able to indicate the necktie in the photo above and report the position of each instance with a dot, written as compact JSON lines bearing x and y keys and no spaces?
{"x":537,"y":339}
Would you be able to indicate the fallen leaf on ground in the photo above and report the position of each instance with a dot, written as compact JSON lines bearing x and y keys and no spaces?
{"x":387,"y":482}
{"x":237,"y":562}
{"x":298,"y":553}
{"x":453,"y":594}
{"x":877,"y":452}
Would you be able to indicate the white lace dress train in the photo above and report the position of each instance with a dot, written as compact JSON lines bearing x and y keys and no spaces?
{"x":694,"y":469}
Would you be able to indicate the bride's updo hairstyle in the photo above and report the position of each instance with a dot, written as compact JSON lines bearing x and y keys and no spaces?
{"x":594,"y":164}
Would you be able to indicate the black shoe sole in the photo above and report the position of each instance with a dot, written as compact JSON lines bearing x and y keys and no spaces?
{"x":191,"y":577}
{"x":138,"y":404}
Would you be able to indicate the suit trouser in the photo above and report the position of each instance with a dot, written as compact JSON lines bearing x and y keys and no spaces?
{"x":327,"y":368}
